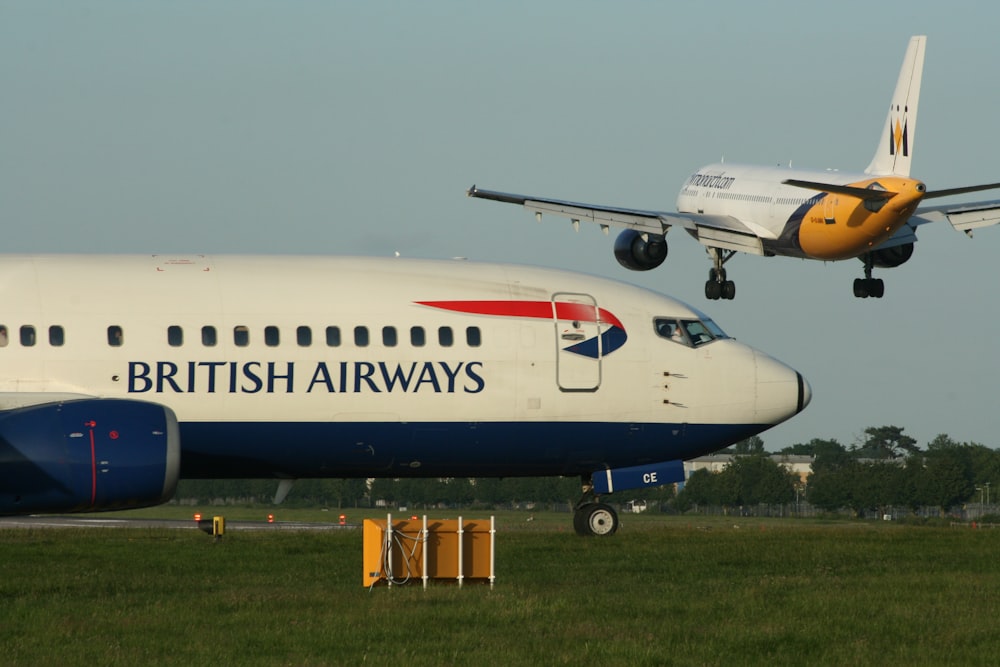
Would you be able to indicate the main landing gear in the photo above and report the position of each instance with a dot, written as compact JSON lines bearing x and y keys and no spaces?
{"x":592,"y":518}
{"x":868,"y":286}
{"x":717,"y":287}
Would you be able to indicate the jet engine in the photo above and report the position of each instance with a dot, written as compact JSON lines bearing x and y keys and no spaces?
{"x":640,"y":252}
{"x":87,"y":455}
{"x":888,"y":258}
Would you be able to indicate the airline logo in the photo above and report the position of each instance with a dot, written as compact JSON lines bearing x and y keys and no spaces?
{"x":899,"y":143}
{"x":612,"y":332}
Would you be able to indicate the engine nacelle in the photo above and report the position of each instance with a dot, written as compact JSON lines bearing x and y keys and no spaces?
{"x":87,"y":455}
{"x":640,"y":254}
{"x":888,"y":258}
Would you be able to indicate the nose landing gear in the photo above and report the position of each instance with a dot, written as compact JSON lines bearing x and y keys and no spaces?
{"x":592,"y":518}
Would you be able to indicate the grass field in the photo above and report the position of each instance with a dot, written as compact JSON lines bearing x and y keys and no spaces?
{"x":663,"y":591}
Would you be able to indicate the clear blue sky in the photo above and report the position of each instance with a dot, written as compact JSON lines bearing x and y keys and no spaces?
{"x":355,"y":128}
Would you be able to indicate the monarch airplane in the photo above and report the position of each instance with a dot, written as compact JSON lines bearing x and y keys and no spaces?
{"x":120,"y":375}
{"x":793,"y":213}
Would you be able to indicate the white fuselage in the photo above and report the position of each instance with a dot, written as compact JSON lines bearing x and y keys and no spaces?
{"x":319,"y":366}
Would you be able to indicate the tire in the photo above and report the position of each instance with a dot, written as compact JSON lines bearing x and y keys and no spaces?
{"x":600,"y":520}
{"x":877,"y":288}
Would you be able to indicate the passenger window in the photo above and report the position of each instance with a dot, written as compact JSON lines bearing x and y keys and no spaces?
{"x":333,"y":336}
{"x":3,"y":336}
{"x":304,"y":336}
{"x":27,"y":335}
{"x":389,"y":337}
{"x":241,"y":336}
{"x":271,"y":336}
{"x":361,"y":336}
{"x":473,"y":337}
{"x":115,"y":336}
{"x":175,"y":336}
{"x":209,"y":338}
{"x":56,"y":336}
{"x":417,"y":337}
{"x":446,"y":338}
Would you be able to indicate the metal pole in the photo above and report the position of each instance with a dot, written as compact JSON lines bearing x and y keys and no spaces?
{"x":388,"y":548}
{"x":461,"y":533}
{"x":493,"y":549}
{"x":424,"y":551}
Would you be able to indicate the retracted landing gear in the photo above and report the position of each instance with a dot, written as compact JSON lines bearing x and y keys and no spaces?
{"x":717,"y":287}
{"x":868,"y":286}
{"x":592,"y":518}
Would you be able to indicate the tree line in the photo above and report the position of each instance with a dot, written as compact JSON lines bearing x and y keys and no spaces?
{"x":886,"y":469}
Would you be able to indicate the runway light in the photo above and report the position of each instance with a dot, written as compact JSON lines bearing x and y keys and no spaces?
{"x":270,"y":518}
{"x":197,"y":517}
{"x":343,"y":519}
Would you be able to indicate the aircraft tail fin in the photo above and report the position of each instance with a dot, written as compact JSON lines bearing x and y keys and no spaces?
{"x":895,"y":148}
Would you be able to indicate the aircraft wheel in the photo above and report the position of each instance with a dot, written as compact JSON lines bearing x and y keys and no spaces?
{"x":728,"y":290}
{"x":713,"y":290}
{"x":595,"y":520}
{"x":877,"y":288}
{"x":580,"y":519}
{"x":860,"y":288}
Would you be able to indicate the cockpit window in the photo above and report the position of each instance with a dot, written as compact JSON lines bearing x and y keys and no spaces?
{"x":688,"y":332}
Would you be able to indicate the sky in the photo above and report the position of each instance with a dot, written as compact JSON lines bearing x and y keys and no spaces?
{"x":356,"y":127}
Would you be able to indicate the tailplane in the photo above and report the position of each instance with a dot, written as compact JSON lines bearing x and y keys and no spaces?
{"x":895,"y":148}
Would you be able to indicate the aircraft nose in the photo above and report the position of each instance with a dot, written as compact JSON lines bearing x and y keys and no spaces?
{"x":782,"y":392}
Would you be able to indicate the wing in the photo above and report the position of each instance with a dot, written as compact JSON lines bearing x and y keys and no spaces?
{"x":963,"y":217}
{"x":716,"y":231}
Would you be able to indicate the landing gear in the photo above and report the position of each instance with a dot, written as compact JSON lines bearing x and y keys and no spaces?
{"x":868,"y":286}
{"x":717,"y":287}
{"x":591,"y":518}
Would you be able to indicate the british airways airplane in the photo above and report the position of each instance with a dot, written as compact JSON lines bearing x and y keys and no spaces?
{"x":120,"y":375}
{"x":809,"y":214}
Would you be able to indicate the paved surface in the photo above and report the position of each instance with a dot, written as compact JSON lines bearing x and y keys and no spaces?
{"x":90,"y":522}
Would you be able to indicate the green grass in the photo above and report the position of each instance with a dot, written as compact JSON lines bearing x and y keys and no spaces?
{"x":664,"y":591}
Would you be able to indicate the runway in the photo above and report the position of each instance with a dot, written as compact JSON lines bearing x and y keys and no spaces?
{"x":90,"y":522}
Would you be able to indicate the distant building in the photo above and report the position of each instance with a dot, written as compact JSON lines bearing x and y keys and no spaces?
{"x":800,"y":465}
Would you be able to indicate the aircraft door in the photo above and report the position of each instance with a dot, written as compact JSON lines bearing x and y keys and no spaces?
{"x":578,"y":341}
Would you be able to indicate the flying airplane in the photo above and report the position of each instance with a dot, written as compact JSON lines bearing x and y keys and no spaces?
{"x":823,"y":215}
{"x":120,"y":375}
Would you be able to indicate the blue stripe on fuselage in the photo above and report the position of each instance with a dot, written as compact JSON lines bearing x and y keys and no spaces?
{"x":439,"y":449}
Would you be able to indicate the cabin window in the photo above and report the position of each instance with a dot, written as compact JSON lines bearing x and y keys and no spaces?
{"x":209,"y":337}
{"x":473,"y":337}
{"x":56,"y":336}
{"x":304,"y":336}
{"x":271,"y":336}
{"x":115,"y":336}
{"x":241,"y":335}
{"x":333,"y":336}
{"x":27,"y":335}
{"x":361,"y":336}
{"x":446,"y":337}
{"x":175,"y":336}
{"x":389,"y":337}
{"x":417,"y":337}
{"x":3,"y":335}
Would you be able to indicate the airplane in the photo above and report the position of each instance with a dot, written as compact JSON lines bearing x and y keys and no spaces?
{"x":768,"y":211}
{"x":120,"y":375}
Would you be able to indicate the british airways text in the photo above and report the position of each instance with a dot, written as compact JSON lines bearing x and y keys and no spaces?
{"x":252,"y":377}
